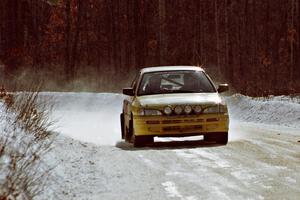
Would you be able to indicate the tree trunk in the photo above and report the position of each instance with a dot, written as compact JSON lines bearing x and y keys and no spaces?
{"x":291,"y":40}
{"x":68,"y":70}
{"x":74,"y":53}
{"x":227,"y":44}
{"x":217,"y":37}
{"x":162,"y":31}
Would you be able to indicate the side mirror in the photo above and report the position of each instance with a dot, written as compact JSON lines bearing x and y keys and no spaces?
{"x":128,"y":91}
{"x":223,"y":88}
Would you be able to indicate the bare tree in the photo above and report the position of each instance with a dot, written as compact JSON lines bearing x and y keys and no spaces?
{"x":24,"y":141}
{"x":162,"y":31}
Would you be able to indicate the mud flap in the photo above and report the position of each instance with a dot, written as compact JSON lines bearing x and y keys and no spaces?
{"x":220,"y":138}
{"x":122,"y":125}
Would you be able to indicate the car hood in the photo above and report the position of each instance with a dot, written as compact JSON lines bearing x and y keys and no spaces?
{"x":179,"y":99}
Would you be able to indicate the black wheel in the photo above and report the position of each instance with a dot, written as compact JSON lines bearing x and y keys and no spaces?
{"x":141,"y":141}
{"x":122,"y":125}
{"x":220,"y":138}
{"x":138,"y":141}
{"x":129,"y":132}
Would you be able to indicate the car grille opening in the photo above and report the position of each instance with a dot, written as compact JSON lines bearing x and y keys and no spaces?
{"x":182,"y":128}
{"x":212,"y":119}
{"x":153,"y":122}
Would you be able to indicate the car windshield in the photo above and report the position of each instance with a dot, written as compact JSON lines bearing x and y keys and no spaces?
{"x":175,"y":82}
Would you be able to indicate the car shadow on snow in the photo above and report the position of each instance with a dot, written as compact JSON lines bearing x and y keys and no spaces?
{"x":167,"y":145}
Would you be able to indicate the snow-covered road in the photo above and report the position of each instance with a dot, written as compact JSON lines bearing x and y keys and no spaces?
{"x":261,"y":161}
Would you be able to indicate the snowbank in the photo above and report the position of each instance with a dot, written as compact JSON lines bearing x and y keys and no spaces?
{"x":279,"y":110}
{"x":88,"y":117}
{"x":23,"y":144}
{"x":94,"y":117}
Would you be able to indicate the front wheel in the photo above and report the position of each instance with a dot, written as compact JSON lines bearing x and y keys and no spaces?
{"x":122,"y":125}
{"x":219,"y":138}
{"x":128,"y":132}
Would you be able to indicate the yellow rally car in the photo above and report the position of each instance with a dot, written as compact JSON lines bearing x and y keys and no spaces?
{"x":173,"y":101}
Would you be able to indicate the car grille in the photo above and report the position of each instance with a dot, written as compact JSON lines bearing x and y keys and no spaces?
{"x":182,"y":125}
{"x":179,"y":121}
{"x":182,"y":128}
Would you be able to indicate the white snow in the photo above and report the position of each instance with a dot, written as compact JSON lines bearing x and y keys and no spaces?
{"x":171,"y":189}
{"x":276,"y":111}
{"x":258,"y":151}
{"x":94,"y":117}
{"x":188,"y":174}
{"x":173,"y":192}
{"x":21,"y":159}
{"x":88,"y":117}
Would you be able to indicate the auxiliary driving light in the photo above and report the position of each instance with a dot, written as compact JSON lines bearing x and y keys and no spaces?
{"x":178,"y":110}
{"x":168,"y":110}
{"x":187,"y":109}
{"x":197,"y":109}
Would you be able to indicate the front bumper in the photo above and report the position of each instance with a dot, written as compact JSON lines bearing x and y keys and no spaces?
{"x":180,"y":125}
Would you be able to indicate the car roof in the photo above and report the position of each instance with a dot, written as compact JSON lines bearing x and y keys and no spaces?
{"x":170,"y":68}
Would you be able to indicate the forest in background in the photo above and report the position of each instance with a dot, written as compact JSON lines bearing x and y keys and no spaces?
{"x":99,"y":45}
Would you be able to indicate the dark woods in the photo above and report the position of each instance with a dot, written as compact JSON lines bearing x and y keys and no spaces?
{"x":98,"y":45}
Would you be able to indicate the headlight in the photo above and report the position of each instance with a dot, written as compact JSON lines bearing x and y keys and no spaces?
{"x":187,"y":109}
{"x":168,"y":110}
{"x":152,"y":112}
{"x":197,"y":109}
{"x":148,"y":112}
{"x":178,"y":110}
{"x":141,"y":112}
{"x":213,"y":109}
{"x":223,"y":109}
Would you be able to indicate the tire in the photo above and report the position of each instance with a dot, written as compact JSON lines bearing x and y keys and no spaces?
{"x":219,"y":138}
{"x":142,"y":141}
{"x":138,"y":141}
{"x":122,"y":125}
{"x":129,"y":132}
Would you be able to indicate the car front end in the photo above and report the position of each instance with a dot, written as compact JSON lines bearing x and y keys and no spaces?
{"x":183,"y":115}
